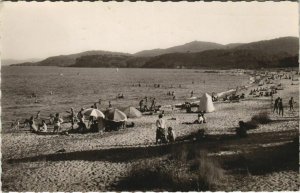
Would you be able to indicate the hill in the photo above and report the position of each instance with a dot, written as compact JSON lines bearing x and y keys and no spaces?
{"x":68,"y":60}
{"x":278,"y":52}
{"x":5,"y":62}
{"x":195,"y":46}
{"x":289,"y":45}
{"x":223,"y":59}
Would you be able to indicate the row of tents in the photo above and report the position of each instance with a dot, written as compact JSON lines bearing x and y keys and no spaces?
{"x":112,"y":118}
{"x":115,"y":115}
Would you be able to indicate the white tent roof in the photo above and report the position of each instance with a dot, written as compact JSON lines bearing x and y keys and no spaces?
{"x":206,"y":104}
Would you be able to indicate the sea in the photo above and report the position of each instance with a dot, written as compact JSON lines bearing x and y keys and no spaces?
{"x":60,"y":88}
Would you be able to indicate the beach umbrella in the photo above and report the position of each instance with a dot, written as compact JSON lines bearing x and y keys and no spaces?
{"x":132,"y":112}
{"x":115,"y":115}
{"x":93,"y":112}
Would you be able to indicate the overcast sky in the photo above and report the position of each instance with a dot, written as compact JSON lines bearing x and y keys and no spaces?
{"x":40,"y":30}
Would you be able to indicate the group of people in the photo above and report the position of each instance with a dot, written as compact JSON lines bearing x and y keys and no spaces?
{"x":169,"y":93}
{"x":261,"y":91}
{"x":278,"y":105}
{"x":164,"y":135}
{"x":55,"y":120}
{"x":144,"y":104}
{"x":201,"y":118}
{"x":80,"y":120}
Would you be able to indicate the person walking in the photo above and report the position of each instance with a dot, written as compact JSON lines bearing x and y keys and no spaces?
{"x":280,"y":107}
{"x":276,"y":105}
{"x":291,"y":104}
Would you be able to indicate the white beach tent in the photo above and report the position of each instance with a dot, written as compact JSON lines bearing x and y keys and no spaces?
{"x":206,"y":104}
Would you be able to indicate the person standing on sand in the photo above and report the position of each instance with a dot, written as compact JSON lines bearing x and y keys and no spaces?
{"x":95,"y":106}
{"x":57,"y":123}
{"x":280,"y":107}
{"x":276,"y":105}
{"x":160,"y":129}
{"x":32,"y":124}
{"x":291,"y":103}
{"x":141,"y":105}
{"x":153,"y":104}
{"x":146,"y":104}
{"x":72,"y":117}
{"x":38,"y":115}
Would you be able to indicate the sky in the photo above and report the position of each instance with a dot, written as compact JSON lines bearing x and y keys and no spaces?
{"x":40,"y":30}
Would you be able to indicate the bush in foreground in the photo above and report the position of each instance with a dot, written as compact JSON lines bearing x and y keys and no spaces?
{"x":261,"y":118}
{"x":178,"y":173}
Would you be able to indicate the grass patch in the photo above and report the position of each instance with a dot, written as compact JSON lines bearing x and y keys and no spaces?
{"x":186,"y":169}
{"x":261,"y":118}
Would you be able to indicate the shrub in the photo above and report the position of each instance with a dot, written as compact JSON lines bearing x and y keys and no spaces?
{"x":158,"y":175}
{"x":261,"y":118}
{"x":241,"y":132}
{"x":208,"y":171}
{"x":244,"y":126}
{"x":185,"y":174}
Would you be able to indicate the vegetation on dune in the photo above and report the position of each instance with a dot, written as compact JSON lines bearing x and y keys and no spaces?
{"x":187,"y":169}
{"x":261,"y":118}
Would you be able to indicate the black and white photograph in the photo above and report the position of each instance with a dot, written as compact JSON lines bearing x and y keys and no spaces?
{"x":149,"y":96}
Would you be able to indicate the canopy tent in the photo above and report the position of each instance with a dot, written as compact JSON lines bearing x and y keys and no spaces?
{"x":132,"y":112}
{"x":115,"y":115}
{"x":206,"y":104}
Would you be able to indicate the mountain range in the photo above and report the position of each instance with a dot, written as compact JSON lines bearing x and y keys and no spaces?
{"x":279,"y":52}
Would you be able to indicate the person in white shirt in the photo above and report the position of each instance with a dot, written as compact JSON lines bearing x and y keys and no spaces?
{"x":161,"y":129}
{"x":199,"y":120}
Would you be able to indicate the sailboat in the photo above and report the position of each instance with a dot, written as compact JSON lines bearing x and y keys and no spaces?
{"x":117,"y":69}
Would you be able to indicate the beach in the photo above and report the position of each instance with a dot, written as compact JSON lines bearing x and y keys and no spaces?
{"x":33,"y":162}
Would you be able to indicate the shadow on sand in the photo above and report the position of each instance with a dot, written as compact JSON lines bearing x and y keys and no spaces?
{"x":214,"y":143}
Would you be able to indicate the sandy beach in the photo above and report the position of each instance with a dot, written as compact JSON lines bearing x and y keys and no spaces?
{"x":32,"y":162}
